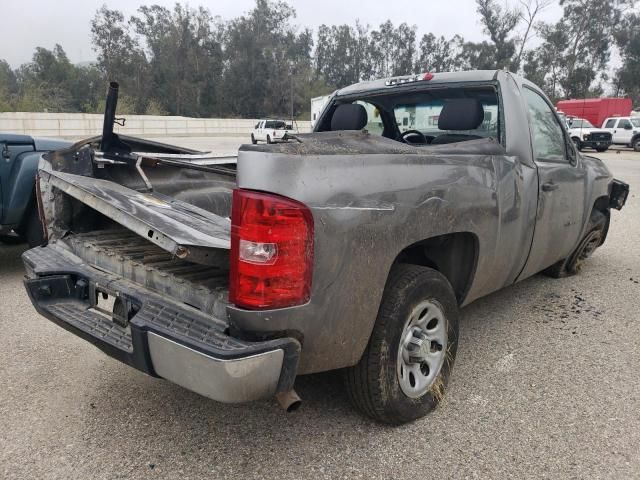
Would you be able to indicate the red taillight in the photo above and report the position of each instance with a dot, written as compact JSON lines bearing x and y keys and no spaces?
{"x":271,"y":251}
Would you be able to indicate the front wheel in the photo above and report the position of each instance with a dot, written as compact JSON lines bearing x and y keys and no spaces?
{"x":404,"y":370}
{"x":602,"y":149}
{"x":596,"y":231}
{"x":253,"y":139}
{"x":578,"y":144}
{"x":268,"y":140}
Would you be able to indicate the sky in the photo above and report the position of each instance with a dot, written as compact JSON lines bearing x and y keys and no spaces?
{"x":27,"y":24}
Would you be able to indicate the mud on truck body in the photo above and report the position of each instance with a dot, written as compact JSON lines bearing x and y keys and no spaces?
{"x":352,"y":247}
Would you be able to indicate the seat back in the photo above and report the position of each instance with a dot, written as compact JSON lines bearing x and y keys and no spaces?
{"x":459,"y":114}
{"x":349,"y":116}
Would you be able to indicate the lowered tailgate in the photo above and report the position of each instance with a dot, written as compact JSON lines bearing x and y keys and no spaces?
{"x":182,"y":229}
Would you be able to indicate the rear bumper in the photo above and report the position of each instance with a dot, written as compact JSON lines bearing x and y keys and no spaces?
{"x":162,"y":338}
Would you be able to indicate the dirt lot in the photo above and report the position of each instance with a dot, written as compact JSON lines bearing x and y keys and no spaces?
{"x":546,"y":385}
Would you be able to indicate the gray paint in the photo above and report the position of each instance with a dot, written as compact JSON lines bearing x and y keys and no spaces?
{"x":372,"y":197}
{"x":368,"y":207}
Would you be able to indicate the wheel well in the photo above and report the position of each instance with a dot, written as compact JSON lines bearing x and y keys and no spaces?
{"x":454,"y":255}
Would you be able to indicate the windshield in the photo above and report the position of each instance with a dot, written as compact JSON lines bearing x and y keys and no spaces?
{"x":635,"y":122}
{"x":580,"y":123}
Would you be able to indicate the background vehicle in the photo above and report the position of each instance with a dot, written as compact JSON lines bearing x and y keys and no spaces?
{"x":624,"y":130}
{"x":585,"y":135}
{"x":351,"y":248}
{"x":596,"y":109}
{"x":19,"y":156}
{"x":272,"y":131}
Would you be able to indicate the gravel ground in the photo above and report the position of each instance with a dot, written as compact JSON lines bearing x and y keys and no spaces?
{"x":546,"y":385}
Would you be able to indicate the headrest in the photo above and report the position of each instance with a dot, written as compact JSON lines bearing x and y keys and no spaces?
{"x":349,"y":116}
{"x":461,"y":114}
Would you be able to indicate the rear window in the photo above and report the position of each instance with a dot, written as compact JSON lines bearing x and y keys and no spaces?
{"x":275,"y":124}
{"x":424,"y":117}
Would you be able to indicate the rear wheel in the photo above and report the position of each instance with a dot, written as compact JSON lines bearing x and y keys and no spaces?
{"x":602,"y":149}
{"x":636,"y":144}
{"x":592,"y":240}
{"x":404,"y":370}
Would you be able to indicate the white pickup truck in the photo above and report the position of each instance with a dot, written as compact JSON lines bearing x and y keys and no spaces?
{"x":624,"y":130}
{"x":272,"y":131}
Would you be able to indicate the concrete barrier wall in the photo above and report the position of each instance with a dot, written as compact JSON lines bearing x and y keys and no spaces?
{"x":73,"y":125}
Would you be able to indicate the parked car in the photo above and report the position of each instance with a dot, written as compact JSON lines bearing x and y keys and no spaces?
{"x":625,"y":131}
{"x":19,"y":156}
{"x":272,"y":131}
{"x":585,"y":135}
{"x":343,"y":250}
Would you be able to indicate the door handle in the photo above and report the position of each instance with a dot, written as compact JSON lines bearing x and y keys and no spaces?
{"x":549,"y":186}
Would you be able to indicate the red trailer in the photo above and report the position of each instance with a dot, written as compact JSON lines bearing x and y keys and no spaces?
{"x":596,"y":110}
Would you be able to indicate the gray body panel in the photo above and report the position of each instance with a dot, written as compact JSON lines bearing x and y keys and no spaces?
{"x":368,"y":207}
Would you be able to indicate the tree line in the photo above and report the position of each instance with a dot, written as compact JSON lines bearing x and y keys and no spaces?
{"x":186,"y":61}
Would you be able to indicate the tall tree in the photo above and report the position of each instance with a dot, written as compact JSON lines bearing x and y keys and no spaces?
{"x":342,"y":54}
{"x":392,"y":49}
{"x":120,"y":57}
{"x":627,"y":35}
{"x":185,"y":56}
{"x":437,"y":54}
{"x":499,"y":24}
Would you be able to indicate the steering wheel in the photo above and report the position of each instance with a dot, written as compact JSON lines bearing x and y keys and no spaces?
{"x":422,"y":139}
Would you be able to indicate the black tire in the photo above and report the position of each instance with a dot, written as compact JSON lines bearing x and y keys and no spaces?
{"x":373,"y":384}
{"x":602,"y":149}
{"x":636,"y":144}
{"x":32,"y":229}
{"x":596,"y":232}
{"x":253,"y":139}
{"x":577,"y":143}
{"x":11,"y":239}
{"x":268,"y":140}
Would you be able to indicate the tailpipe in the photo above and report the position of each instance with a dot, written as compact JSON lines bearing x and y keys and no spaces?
{"x":289,"y":401}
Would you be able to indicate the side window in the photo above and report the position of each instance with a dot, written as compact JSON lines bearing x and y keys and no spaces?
{"x":610,"y":123}
{"x":547,"y":135}
{"x":624,"y":124}
{"x":374,"y":120}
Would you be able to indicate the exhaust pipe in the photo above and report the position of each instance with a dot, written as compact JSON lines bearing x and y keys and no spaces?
{"x":289,"y":401}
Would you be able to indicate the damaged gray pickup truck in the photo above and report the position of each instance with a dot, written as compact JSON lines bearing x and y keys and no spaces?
{"x":352,"y":247}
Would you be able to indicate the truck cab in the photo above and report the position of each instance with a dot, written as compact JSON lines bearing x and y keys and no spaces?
{"x":624,"y":130}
